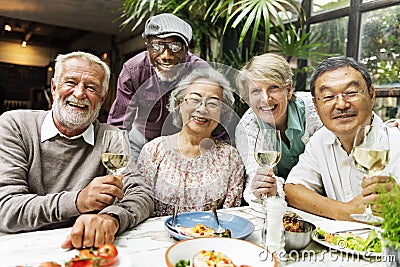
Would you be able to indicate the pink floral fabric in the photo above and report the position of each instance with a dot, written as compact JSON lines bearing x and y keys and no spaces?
{"x":214,"y":178}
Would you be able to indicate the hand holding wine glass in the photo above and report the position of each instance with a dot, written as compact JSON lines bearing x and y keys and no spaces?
{"x":268,"y":148}
{"x":371,"y":155}
{"x":115,"y":151}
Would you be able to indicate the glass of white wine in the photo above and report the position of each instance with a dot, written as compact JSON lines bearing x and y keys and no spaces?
{"x":115,"y":151}
{"x":371,"y":155}
{"x":268,"y":149}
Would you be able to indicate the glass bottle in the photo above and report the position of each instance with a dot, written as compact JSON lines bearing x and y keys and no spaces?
{"x":273,"y":231}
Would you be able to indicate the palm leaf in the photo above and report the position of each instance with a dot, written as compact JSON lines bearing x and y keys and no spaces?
{"x":292,"y":44}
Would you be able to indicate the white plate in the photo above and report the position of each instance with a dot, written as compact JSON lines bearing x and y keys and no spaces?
{"x":314,"y":237}
{"x":239,"y":251}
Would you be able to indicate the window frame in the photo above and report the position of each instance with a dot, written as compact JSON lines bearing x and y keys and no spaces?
{"x":354,"y":13}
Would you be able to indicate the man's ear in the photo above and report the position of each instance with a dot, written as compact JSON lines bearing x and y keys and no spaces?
{"x":53,"y":87}
{"x":104,"y":97}
{"x":372,"y":93}
{"x":314,"y":100}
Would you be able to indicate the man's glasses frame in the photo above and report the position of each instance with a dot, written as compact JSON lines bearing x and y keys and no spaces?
{"x":348,"y":96}
{"x":159,"y":47}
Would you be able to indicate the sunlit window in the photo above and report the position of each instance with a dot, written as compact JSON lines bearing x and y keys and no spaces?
{"x":321,"y":6}
{"x":380,"y":46}
{"x":380,"y":52}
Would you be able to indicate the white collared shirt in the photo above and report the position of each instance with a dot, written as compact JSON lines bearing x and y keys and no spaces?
{"x":50,"y":130}
{"x":326,"y":168}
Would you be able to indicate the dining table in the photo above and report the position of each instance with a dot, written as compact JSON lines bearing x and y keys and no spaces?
{"x":146,"y":244}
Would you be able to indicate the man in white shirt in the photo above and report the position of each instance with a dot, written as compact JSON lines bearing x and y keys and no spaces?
{"x":326,"y":181}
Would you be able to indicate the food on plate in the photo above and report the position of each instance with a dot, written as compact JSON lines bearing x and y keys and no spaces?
{"x":201,"y":230}
{"x":104,"y":256}
{"x":206,"y":258}
{"x":49,"y":264}
{"x":291,"y":222}
{"x":348,"y":240}
{"x":108,"y":252}
{"x":183,"y":263}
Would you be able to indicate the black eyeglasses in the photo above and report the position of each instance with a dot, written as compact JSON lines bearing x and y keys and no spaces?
{"x":159,"y":47}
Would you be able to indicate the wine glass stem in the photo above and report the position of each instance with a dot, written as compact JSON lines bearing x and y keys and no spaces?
{"x":368,"y":210}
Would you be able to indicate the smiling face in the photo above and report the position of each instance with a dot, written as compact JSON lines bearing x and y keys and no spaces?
{"x":165,"y":54}
{"x":269,"y":101}
{"x":342,"y":116}
{"x":201,"y":108}
{"x":78,"y":96}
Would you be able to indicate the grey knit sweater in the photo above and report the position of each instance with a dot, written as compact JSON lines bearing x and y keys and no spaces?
{"x":39,"y":182}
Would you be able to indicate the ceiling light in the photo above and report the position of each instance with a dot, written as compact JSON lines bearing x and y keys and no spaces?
{"x":7,"y":27}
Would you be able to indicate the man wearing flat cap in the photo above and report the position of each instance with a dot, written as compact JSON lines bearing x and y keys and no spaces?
{"x":147,"y":78}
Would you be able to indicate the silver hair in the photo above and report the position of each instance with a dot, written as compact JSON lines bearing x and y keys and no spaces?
{"x":58,"y":69}
{"x":266,"y":67}
{"x":207,"y":73}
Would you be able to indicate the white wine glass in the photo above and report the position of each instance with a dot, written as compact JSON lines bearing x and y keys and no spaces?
{"x":371,"y":156}
{"x":115,"y":151}
{"x":268,"y":149}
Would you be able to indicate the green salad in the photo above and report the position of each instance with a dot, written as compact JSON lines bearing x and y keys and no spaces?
{"x":183,"y":263}
{"x":347,"y":240}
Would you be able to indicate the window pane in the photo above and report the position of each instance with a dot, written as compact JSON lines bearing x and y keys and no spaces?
{"x":321,"y":6}
{"x":380,"y":45}
{"x":387,"y":107}
{"x":335,"y":40}
{"x":335,"y":35}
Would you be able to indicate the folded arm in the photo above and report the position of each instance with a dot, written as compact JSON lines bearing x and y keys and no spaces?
{"x":300,"y":197}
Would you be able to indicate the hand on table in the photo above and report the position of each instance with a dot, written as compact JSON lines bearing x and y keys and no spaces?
{"x":264,"y":183}
{"x":91,"y":230}
{"x":100,"y":193}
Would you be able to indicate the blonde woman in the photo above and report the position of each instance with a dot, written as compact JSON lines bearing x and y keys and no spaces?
{"x":191,"y":169}
{"x":265,"y":83}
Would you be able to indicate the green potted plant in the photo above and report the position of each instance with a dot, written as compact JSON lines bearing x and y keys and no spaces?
{"x":389,"y":203}
{"x":209,"y":18}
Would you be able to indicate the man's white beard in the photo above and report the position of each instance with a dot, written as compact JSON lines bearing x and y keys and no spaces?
{"x":166,"y":76}
{"x":68,"y":117}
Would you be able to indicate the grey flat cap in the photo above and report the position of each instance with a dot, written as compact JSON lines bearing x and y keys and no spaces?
{"x":166,"y":25}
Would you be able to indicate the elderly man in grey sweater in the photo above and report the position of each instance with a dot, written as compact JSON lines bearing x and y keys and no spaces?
{"x":51,"y":175}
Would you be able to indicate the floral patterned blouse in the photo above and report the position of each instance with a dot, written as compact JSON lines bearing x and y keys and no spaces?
{"x":214,"y":178}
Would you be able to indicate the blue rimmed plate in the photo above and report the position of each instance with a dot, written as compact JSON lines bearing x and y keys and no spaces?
{"x":240,"y":227}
